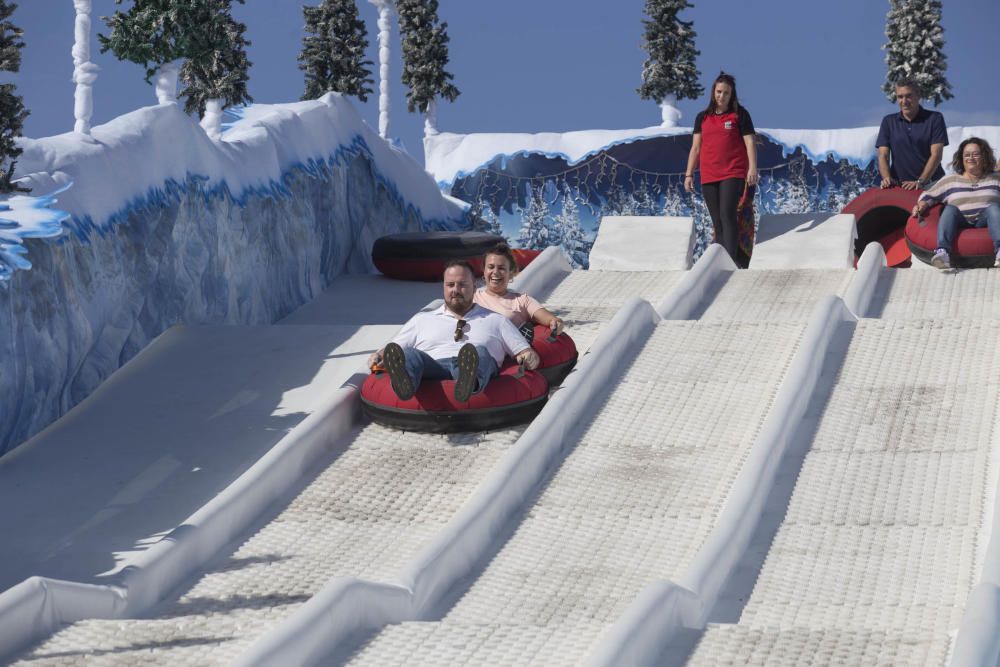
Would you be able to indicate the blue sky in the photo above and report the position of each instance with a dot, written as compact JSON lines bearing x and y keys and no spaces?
{"x":558,"y":65}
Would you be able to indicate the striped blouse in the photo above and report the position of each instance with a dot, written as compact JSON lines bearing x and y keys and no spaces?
{"x":969,"y":197}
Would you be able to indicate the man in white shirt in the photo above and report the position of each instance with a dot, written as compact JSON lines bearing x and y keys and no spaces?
{"x":459,"y":340}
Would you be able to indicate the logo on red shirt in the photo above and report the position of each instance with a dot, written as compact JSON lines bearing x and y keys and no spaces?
{"x":729,"y":125}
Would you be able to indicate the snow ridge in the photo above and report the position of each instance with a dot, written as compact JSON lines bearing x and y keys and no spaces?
{"x":148,"y":158}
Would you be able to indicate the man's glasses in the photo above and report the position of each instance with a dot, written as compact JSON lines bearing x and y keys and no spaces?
{"x":459,"y":328}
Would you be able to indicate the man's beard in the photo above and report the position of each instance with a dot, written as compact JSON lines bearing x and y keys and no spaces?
{"x":460,"y":307}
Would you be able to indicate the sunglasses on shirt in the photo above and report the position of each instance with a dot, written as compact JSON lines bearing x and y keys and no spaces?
{"x":459,"y":328}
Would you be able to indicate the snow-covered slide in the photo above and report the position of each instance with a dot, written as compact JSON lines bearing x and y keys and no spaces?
{"x":901,"y":294}
{"x":884,"y":533}
{"x":363,"y":515}
{"x":630,"y":503}
{"x":304,"y":636}
{"x":778,"y":295}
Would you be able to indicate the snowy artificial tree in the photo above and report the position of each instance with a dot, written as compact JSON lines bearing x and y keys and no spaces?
{"x":569,"y":231}
{"x":425,"y":54}
{"x":12,"y":111}
{"x":536,"y":232}
{"x":646,"y":200}
{"x":385,"y":9}
{"x":484,"y":219}
{"x":333,"y":52}
{"x":154,"y":34}
{"x":84,"y":71}
{"x":703,"y":227}
{"x":673,"y":203}
{"x":850,"y":187}
{"x":792,"y":194}
{"x":621,"y":202}
{"x":915,"y":48}
{"x":217,"y":75}
{"x":669,"y":73}
{"x":160,"y":34}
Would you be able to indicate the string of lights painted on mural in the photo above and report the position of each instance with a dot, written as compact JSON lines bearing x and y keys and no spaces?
{"x":538,"y":200}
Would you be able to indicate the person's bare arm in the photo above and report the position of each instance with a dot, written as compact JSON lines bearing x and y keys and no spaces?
{"x":548,"y":319}
{"x":692,"y":161}
{"x":752,"y":176}
{"x":530,"y":358}
{"x":883,"y":167}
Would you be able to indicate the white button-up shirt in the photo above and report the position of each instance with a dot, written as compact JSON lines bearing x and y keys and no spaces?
{"x":434,"y":333}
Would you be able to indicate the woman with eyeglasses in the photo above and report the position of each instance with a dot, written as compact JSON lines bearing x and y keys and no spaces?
{"x":499,"y":268}
{"x":723,"y":149}
{"x":971,"y":198}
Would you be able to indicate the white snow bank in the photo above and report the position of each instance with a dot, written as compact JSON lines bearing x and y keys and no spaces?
{"x":452,"y":156}
{"x":143,"y":156}
{"x":857,"y":145}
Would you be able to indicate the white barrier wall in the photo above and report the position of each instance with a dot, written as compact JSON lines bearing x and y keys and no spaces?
{"x":804,"y":241}
{"x":643,"y":243}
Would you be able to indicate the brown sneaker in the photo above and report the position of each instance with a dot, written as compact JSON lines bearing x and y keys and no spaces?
{"x":395,"y":364}
{"x":468,"y":369}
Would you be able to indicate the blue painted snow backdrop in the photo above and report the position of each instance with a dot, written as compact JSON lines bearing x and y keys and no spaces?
{"x":540,"y":190}
{"x":539,"y":200}
{"x":169,"y":227}
{"x":26,"y":217}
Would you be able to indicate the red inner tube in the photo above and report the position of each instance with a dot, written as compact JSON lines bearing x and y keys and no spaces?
{"x":423,"y":255}
{"x":438,"y":395}
{"x":557,"y":357}
{"x":524,"y":257}
{"x":426,"y":270}
{"x":506,"y":399}
{"x":973,"y":246}
{"x":881,"y":215}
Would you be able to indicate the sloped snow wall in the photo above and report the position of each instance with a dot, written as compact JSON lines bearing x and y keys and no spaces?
{"x":191,"y":240}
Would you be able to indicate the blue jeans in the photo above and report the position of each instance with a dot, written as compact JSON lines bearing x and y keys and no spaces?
{"x":420,"y":366}
{"x":952,"y":221}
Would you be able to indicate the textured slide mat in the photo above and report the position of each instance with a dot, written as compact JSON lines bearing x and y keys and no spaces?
{"x":970,"y":294}
{"x":365,"y":515}
{"x":882,"y":539}
{"x":785,"y":296}
{"x":631,"y":503}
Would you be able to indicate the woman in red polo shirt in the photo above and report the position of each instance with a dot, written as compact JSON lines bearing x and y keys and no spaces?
{"x":723,"y":148}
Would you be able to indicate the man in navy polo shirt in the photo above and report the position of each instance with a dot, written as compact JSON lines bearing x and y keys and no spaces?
{"x":914,"y":139}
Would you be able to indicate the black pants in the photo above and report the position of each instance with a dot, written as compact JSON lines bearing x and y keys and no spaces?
{"x":722,"y":198}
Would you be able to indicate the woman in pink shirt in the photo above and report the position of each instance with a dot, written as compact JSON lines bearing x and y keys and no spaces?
{"x":499,"y":268}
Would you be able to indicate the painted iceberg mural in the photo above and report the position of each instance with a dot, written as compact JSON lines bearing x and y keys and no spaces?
{"x":160,"y":225}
